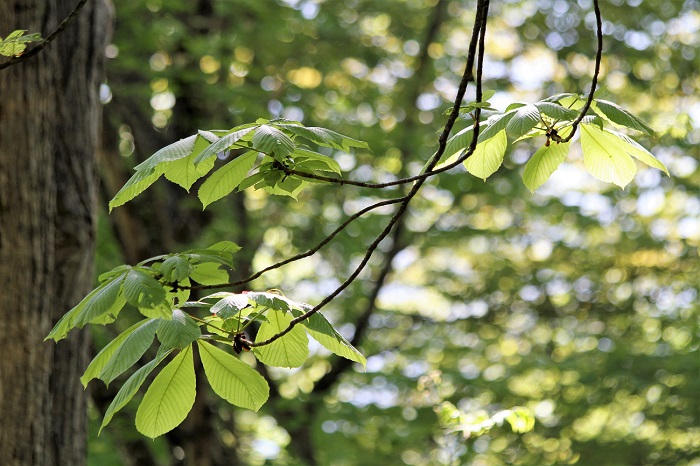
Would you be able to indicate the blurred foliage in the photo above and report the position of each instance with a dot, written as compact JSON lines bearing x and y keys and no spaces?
{"x":578,"y":302}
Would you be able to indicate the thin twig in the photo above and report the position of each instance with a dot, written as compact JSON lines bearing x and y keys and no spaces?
{"x":478,"y":31}
{"x":64,"y":24}
{"x":596,"y":71}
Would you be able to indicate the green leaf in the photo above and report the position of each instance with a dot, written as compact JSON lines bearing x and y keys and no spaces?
{"x":556,"y":111}
{"x":105,"y":299}
{"x":271,"y":141}
{"x":136,"y":185}
{"x":129,"y":351}
{"x":232,"y":379}
{"x":604,"y":156}
{"x":302,"y":156}
{"x":230,"y":306}
{"x":634,"y":149}
{"x":524,"y":120}
{"x":169,"y":398}
{"x":142,"y":290}
{"x":226,"y":178}
{"x":175,"y":268}
{"x":131,"y":386}
{"x":543,"y":163}
{"x":174,"y":151}
{"x":560,"y":97}
{"x":209,"y":273}
{"x":620,"y":116}
{"x":488,"y":156}
{"x":178,"y":332}
{"x":184,"y":172}
{"x":456,"y":145}
{"x":495,"y":125}
{"x":290,"y":350}
{"x":323,"y":332}
{"x":100,"y":361}
{"x":225,"y":142}
{"x":324,"y":137}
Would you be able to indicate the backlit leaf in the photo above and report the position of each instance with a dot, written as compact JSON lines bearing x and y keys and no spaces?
{"x":604,"y":156}
{"x":129,"y":351}
{"x":169,"y":398}
{"x":290,"y":350}
{"x":178,"y":332}
{"x":620,"y":116}
{"x":323,"y":332}
{"x":227,"y":178}
{"x":225,"y":142}
{"x":543,"y":163}
{"x":270,"y":140}
{"x":524,"y":120}
{"x":488,"y":156}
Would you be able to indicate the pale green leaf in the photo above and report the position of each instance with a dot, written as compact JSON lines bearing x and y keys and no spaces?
{"x":620,"y":116}
{"x":102,"y":301}
{"x":174,"y":151}
{"x":543,"y":163}
{"x":103,"y":357}
{"x":230,"y":306}
{"x":324,"y":137}
{"x":142,"y":290}
{"x":136,"y":185}
{"x":487,"y":156}
{"x":178,"y":332}
{"x":323,"y":332}
{"x":456,"y":145}
{"x":129,"y":351}
{"x":302,"y":156}
{"x":495,"y":124}
{"x":175,"y":268}
{"x":270,"y":140}
{"x":604,"y":156}
{"x":209,"y":273}
{"x":524,"y":120}
{"x":556,"y":111}
{"x":232,"y":379}
{"x":290,"y":350}
{"x":634,"y":149}
{"x":225,"y":142}
{"x":169,"y":398}
{"x":184,"y":172}
{"x":131,"y":386}
{"x":226,"y":179}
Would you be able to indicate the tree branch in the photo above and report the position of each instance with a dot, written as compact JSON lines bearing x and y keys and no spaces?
{"x":64,"y":24}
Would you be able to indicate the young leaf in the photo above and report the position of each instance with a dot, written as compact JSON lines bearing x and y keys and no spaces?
{"x":136,"y":185}
{"x":560,"y":97}
{"x":232,"y":379}
{"x":620,"y":116}
{"x":145,"y":292}
{"x":178,"y":332}
{"x":303,"y":155}
{"x":209,"y":273}
{"x":270,"y":140}
{"x":495,"y":125}
{"x":556,"y":111}
{"x":604,"y":156}
{"x":488,"y":156}
{"x":131,"y":386}
{"x":174,"y":151}
{"x":637,"y":151}
{"x":103,"y":357}
{"x":323,"y":137}
{"x":184,"y":172}
{"x":175,"y":268}
{"x":543,"y":163}
{"x":225,"y":142}
{"x":455,"y":145}
{"x":169,"y":398}
{"x":129,"y":351}
{"x":323,"y":332}
{"x":230,"y":306}
{"x":524,"y":120}
{"x":226,"y":178}
{"x":290,"y":350}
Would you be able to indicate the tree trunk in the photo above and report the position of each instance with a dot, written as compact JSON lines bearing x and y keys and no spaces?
{"x":49,"y":118}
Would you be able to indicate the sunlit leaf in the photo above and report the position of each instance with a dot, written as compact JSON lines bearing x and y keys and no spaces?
{"x":488,"y":156}
{"x":178,"y":332}
{"x":137,"y":184}
{"x":291,"y":350}
{"x":524,"y":120}
{"x":225,"y":142}
{"x":495,"y":124}
{"x":456,"y":145}
{"x":103,"y":357}
{"x":169,"y":398}
{"x":620,"y":116}
{"x":270,"y":140}
{"x":209,"y":273}
{"x":129,"y":351}
{"x":323,"y":332}
{"x":634,"y":149}
{"x":604,"y":156}
{"x":176,"y":268}
{"x":142,"y":290}
{"x":556,"y":111}
{"x":303,"y":156}
{"x":131,"y":386}
{"x":227,"y":178}
{"x":324,"y":137}
{"x":184,"y":172}
{"x":174,"y":151}
{"x":232,"y":379}
{"x":543,"y":163}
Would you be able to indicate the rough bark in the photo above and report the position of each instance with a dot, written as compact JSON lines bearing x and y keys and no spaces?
{"x":49,"y":118}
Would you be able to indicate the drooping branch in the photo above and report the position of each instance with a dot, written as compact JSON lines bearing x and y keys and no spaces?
{"x":477,"y":37}
{"x":40,"y":46}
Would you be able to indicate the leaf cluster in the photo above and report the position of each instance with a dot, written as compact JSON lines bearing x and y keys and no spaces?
{"x":16,"y":42}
